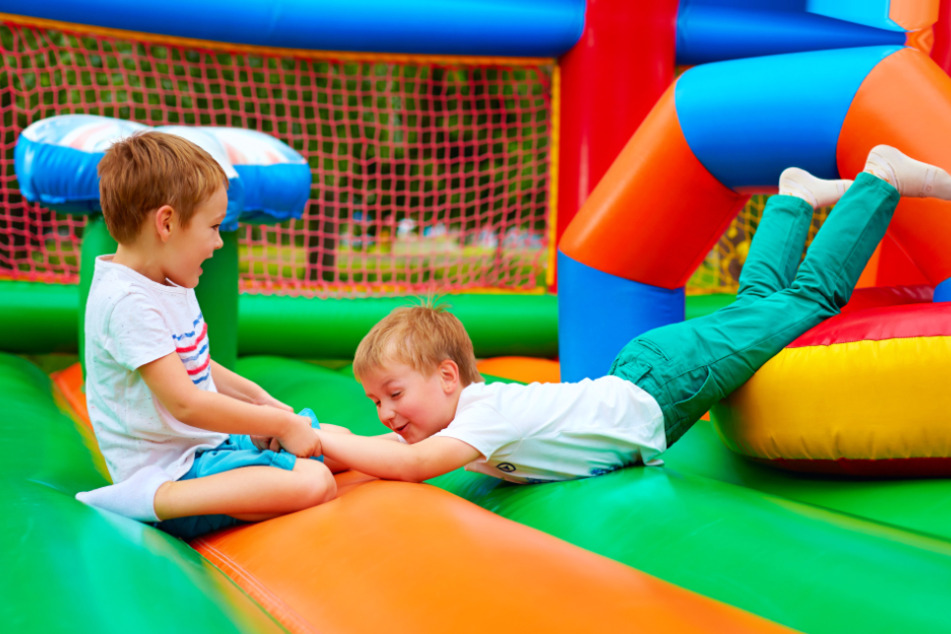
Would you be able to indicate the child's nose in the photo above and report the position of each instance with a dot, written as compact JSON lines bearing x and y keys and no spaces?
{"x":218,"y":241}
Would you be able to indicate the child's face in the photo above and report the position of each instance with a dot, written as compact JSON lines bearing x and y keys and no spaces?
{"x":412,"y":404}
{"x":188,"y":247}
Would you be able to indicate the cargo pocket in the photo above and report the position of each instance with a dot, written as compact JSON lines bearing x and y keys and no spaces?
{"x":691,"y":395}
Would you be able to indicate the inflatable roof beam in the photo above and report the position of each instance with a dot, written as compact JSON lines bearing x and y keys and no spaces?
{"x":636,"y":213}
{"x":903,"y":83}
{"x":710,"y":32}
{"x":905,"y":15}
{"x":512,"y":28}
{"x":680,"y":179}
{"x":621,"y":40}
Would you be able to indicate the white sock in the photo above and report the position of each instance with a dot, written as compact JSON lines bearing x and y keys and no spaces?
{"x":910,"y":177}
{"x":134,"y":497}
{"x":818,"y":192}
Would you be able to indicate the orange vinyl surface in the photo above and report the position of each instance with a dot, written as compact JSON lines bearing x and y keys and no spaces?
{"x":906,"y":82}
{"x":913,"y":15}
{"x":69,"y":383}
{"x":394,"y":556}
{"x":403,"y":557}
{"x":636,"y":229}
{"x":522,"y":369}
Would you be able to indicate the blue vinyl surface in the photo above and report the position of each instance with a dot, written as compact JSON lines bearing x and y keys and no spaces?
{"x":747,"y":120}
{"x":598,"y":313}
{"x":709,"y":33}
{"x":515,"y":28}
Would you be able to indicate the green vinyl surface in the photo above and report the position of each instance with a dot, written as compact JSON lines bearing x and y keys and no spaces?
{"x":67,"y":567}
{"x":819,"y":555}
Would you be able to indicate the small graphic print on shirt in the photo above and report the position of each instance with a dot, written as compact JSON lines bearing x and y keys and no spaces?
{"x":507,"y":467}
{"x":192,"y":349}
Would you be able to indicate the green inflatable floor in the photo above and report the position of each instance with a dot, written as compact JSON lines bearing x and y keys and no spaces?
{"x":65,"y":567}
{"x":820,"y":555}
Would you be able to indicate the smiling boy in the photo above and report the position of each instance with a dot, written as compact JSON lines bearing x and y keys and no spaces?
{"x":175,"y":427}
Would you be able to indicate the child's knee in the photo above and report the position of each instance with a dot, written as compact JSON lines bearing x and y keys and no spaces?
{"x":315,"y":483}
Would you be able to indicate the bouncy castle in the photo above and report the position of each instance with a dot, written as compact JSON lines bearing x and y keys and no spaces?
{"x":564,"y":175}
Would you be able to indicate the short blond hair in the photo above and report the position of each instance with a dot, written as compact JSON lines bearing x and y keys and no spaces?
{"x":148,"y":170}
{"x":422,"y":337}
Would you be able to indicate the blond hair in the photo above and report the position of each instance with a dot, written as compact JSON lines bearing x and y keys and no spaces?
{"x":422,"y":337}
{"x":148,"y":170}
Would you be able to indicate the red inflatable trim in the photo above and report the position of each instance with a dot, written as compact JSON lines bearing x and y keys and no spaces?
{"x":880,"y":323}
{"x":867,"y":468}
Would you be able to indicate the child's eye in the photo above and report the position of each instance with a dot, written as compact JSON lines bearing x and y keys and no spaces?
{"x":396,"y":394}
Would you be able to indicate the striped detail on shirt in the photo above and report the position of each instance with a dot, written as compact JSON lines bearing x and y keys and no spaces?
{"x":192,"y":349}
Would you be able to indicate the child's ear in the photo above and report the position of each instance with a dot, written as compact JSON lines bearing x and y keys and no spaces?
{"x":449,"y":375}
{"x":164,"y":221}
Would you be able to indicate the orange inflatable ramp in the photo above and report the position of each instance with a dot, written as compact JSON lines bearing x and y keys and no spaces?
{"x":400,"y":557}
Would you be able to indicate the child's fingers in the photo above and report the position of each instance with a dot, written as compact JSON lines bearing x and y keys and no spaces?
{"x":262,"y":442}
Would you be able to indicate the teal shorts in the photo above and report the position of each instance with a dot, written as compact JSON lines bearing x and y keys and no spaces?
{"x":236,"y":452}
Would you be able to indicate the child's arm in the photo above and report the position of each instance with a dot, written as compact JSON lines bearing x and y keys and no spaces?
{"x":169,"y":381}
{"x":381,"y":457}
{"x":236,"y":386}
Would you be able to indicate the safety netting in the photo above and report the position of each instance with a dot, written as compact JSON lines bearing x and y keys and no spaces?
{"x":428,"y":173}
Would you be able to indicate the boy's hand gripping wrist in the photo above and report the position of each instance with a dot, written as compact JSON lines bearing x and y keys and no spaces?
{"x":298,"y":438}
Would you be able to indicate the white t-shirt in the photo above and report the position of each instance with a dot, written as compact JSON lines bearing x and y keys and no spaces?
{"x":558,"y":431}
{"x":131,"y":321}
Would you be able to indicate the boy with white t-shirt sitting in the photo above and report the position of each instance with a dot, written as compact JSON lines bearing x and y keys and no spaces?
{"x":185,"y":439}
{"x":417,"y":364}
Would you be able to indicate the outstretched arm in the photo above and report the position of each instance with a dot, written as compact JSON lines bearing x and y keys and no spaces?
{"x":381,"y":457}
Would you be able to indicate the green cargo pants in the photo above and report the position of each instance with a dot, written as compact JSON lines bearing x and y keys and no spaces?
{"x":689,"y":366}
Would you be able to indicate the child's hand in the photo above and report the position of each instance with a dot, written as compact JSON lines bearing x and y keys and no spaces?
{"x":300,"y":439}
{"x":264,"y":442}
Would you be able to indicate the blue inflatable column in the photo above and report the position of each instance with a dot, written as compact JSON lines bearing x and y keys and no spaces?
{"x":598,"y":313}
{"x":942,"y":292}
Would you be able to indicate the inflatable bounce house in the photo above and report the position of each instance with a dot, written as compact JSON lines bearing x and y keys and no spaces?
{"x":562,"y":174}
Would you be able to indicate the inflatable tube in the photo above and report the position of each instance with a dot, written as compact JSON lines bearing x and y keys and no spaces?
{"x":710,"y":32}
{"x":275,"y":178}
{"x":621,"y":246}
{"x":513,"y":28}
{"x":621,"y":39}
{"x":56,"y":161}
{"x":863,"y":393}
{"x":38,"y":318}
{"x":499,"y":324}
{"x":907,"y":15}
{"x":906,"y":82}
{"x":42,"y":318}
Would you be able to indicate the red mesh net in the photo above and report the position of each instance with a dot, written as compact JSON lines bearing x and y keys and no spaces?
{"x":427,"y":173}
